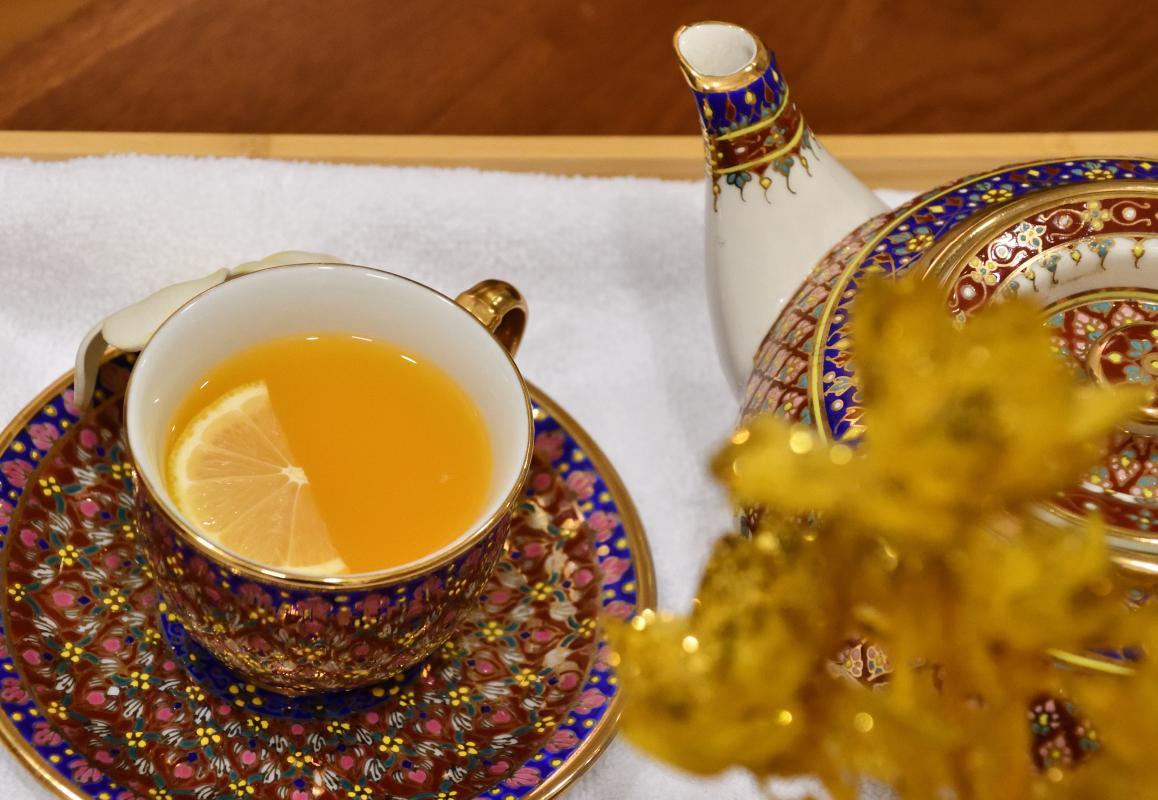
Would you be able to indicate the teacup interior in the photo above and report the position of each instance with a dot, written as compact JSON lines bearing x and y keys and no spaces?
{"x":308,"y":298}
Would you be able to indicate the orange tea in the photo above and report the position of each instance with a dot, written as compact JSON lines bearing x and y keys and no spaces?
{"x":329,"y":454}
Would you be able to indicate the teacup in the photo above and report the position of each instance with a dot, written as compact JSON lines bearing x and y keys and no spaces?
{"x":301,"y":633}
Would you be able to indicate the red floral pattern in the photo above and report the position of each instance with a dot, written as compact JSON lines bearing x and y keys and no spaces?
{"x":779,"y":382}
{"x":82,"y":620}
{"x":1015,"y":251}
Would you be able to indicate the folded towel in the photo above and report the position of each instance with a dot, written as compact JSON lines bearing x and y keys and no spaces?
{"x":612,"y":269}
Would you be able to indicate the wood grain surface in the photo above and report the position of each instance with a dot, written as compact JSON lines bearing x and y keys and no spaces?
{"x":910,"y":161}
{"x":533,"y":67}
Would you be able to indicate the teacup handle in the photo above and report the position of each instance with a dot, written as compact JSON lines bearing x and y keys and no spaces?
{"x":500,"y":308}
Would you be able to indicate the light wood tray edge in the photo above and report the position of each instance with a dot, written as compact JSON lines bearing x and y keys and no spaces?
{"x":904,"y":161}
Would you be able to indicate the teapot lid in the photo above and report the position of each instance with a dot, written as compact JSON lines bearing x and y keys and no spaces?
{"x":1079,"y":238}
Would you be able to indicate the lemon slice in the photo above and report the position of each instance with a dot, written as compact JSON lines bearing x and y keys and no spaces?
{"x":233,"y":476}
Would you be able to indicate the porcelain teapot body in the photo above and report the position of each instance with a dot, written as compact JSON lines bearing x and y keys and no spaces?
{"x":791,"y":233}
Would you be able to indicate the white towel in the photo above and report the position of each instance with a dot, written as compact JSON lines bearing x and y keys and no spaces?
{"x":612,"y":270}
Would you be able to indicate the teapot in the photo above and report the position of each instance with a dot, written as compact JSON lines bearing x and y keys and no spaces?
{"x":791,"y":233}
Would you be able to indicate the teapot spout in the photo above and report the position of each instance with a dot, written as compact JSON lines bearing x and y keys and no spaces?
{"x":777,"y":201}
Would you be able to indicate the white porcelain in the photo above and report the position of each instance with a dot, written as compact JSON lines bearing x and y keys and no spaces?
{"x":758,"y":254}
{"x":763,"y":241}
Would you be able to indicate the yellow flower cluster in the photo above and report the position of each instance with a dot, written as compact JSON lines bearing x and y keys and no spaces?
{"x":928,"y":540}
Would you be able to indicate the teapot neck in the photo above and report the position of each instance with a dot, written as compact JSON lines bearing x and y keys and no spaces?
{"x":752,"y":128}
{"x":732,"y":74}
{"x":779,"y":201}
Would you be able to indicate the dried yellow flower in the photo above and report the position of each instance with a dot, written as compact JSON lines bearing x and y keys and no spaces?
{"x":927,"y":541}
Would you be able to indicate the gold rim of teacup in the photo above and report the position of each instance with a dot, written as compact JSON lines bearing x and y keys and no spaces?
{"x":362,"y":580}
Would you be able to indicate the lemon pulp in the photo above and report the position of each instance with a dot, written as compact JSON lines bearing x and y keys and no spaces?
{"x":233,"y":476}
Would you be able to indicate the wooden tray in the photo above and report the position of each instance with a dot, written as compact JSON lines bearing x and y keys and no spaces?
{"x":909,"y":161}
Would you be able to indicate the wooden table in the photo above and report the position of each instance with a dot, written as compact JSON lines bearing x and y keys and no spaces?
{"x":896,"y":161}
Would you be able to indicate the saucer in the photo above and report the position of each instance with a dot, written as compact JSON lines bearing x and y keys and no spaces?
{"x":102,"y":696}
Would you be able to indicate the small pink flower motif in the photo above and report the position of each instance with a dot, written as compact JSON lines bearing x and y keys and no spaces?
{"x":541,"y":481}
{"x":582,"y":483}
{"x":431,"y":587}
{"x":12,"y":692}
{"x":28,"y":537}
{"x":43,"y":734}
{"x":533,"y":549}
{"x":602,"y":655}
{"x":298,"y":794}
{"x":314,"y":608}
{"x":524,"y":776}
{"x":590,"y":700}
{"x":619,"y":609}
{"x":561,"y":739}
{"x":183,"y":771}
{"x":1087,"y":326}
{"x":62,"y":599}
{"x":70,"y":403}
{"x":43,"y":434}
{"x":199,"y":567}
{"x":5,"y":512}
{"x":248,"y":757}
{"x":88,"y":507}
{"x":84,"y":772}
{"x":613,"y":568}
{"x":88,"y":438}
{"x":372,"y":603}
{"x":549,"y":445}
{"x":17,"y":471}
{"x":416,"y":607}
{"x":604,"y":524}
{"x":253,"y":594}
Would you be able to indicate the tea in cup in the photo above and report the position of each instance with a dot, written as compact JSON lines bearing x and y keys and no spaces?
{"x":327,"y":460}
{"x":270,"y":465}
